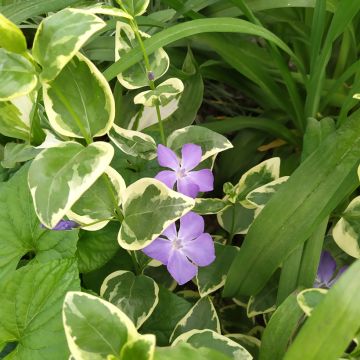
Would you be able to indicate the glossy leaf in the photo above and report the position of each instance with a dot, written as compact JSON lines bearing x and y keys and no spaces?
{"x":60,"y":36}
{"x":141,"y":224}
{"x":33,"y":318}
{"x":16,"y":153}
{"x":56,"y":183}
{"x":79,"y":101}
{"x":210,"y":206}
{"x":17,"y":75}
{"x":12,"y":38}
{"x":310,"y":298}
{"x":134,"y":7}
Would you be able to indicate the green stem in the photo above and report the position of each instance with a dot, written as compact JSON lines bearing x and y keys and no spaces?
{"x":118,"y":211}
{"x":135,"y":28}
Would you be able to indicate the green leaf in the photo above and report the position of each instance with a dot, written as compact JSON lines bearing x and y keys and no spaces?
{"x":17,"y":75}
{"x":79,"y":101}
{"x":134,"y":7}
{"x":60,"y":36}
{"x":140,"y":349}
{"x":190,"y":28}
{"x":133,"y":143}
{"x":136,"y":296}
{"x":21,"y":231}
{"x":98,"y":205}
{"x":346,"y":232}
{"x":310,"y":298}
{"x":162,"y":94}
{"x":210,"y":206}
{"x":211,"y":142}
{"x":141,"y":224}
{"x":96,"y":248}
{"x":294,"y":212}
{"x":107,"y":10}
{"x":186,"y":351}
{"x":340,"y":311}
{"x":136,"y":76}
{"x":170,"y":309}
{"x":95,"y":328}
{"x":56,"y":183}
{"x":12,"y":38}
{"x":212,"y":340}
{"x":30,"y":309}
{"x":201,"y":316}
{"x":15,"y":153}
{"x":280,"y":330}
{"x":211,"y":278}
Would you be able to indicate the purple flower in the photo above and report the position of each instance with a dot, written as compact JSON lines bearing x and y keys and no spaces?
{"x":63,"y":225}
{"x":188,"y":182}
{"x":184,"y":250}
{"x":325,"y":275}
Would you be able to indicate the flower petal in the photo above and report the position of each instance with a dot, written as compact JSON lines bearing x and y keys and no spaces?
{"x":170,"y":232}
{"x":336,"y":278}
{"x":167,"y":158}
{"x":204,"y":179}
{"x":326,"y":268}
{"x":180,"y":268}
{"x":191,"y":226}
{"x":191,"y":156}
{"x":160,"y":249}
{"x":187,"y":187}
{"x":201,"y":251}
{"x":167,"y":177}
{"x":65,"y":225}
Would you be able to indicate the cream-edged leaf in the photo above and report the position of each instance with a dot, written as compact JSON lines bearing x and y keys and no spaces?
{"x":57,"y":182}
{"x":346,"y":232}
{"x":143,"y":348}
{"x":149,"y":208}
{"x":308,"y":299}
{"x":15,"y":153}
{"x":136,"y":76}
{"x":17,"y":75}
{"x":211,"y":278}
{"x":95,"y":328}
{"x":211,"y":142}
{"x":211,"y":339}
{"x":134,"y":143}
{"x":207,"y":206}
{"x":162,"y":94}
{"x":135,"y":295}
{"x":201,"y":316}
{"x":98,"y":205}
{"x":60,"y":36}
{"x":107,"y":10}
{"x":11,"y":38}
{"x":79,"y":101}
{"x":134,"y":7}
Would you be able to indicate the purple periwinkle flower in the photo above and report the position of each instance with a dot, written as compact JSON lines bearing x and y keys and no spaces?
{"x":325,"y":275}
{"x":184,"y":250}
{"x":188,"y":182}
{"x":63,"y":225}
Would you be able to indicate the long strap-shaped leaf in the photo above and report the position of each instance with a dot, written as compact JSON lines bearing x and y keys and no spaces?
{"x":333,"y":323}
{"x":295,"y":211}
{"x":190,"y":28}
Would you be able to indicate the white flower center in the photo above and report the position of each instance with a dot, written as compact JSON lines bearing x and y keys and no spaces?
{"x":181,"y":173}
{"x":177,"y":245}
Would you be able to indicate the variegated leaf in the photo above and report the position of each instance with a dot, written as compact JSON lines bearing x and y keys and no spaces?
{"x":107,"y":10}
{"x":149,"y":208}
{"x":259,"y":175}
{"x":79,"y":101}
{"x":57,"y":182}
{"x":143,"y":348}
{"x":213,"y":340}
{"x":346,"y":232}
{"x":11,"y":38}
{"x":98,"y":205}
{"x":136,"y":296}
{"x":95,"y":328}
{"x":207,"y":206}
{"x":201,"y":316}
{"x":17,"y":75}
{"x":136,"y":76}
{"x":16,"y":153}
{"x":308,"y":299}
{"x":162,"y":94}
{"x":134,"y":143}
{"x":60,"y":36}
{"x":134,"y":7}
{"x":260,"y":196}
{"x":211,"y":278}
{"x":211,"y":142}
